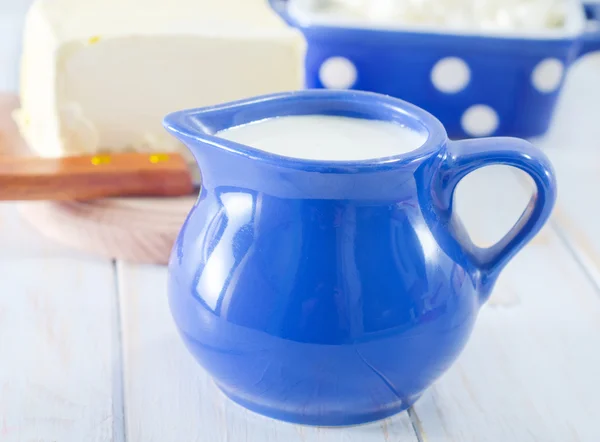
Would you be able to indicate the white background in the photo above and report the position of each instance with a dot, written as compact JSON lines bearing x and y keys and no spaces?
{"x":12,"y":14}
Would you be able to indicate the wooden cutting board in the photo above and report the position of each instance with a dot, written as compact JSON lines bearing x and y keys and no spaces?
{"x":140,"y":230}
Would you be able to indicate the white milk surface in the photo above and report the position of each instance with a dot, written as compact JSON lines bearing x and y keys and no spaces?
{"x":326,"y":138}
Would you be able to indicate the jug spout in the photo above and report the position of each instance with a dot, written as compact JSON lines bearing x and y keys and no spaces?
{"x":185,"y":128}
{"x":195,"y":129}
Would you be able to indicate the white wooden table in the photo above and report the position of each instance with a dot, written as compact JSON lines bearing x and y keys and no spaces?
{"x":88,"y":351}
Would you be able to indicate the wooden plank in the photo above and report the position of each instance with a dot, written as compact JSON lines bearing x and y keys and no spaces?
{"x":573,"y":145}
{"x":169,"y":398}
{"x":57,"y":341}
{"x":530,"y":370}
{"x":578,"y":208}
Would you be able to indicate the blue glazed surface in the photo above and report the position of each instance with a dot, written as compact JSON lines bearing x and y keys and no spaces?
{"x":334,"y":293}
{"x":591,"y":40}
{"x":400,"y":64}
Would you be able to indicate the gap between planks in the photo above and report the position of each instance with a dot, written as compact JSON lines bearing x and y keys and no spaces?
{"x":119,"y":430}
{"x":586,"y":264}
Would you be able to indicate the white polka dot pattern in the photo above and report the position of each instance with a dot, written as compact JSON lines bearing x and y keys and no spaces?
{"x":480,"y":121}
{"x":338,"y":73}
{"x":547,"y":75}
{"x":451,"y":75}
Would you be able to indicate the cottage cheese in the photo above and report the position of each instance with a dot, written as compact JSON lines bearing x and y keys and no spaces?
{"x":487,"y":15}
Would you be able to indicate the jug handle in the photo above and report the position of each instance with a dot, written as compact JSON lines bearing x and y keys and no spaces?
{"x":460,"y":158}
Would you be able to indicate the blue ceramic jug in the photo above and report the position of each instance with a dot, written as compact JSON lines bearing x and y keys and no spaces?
{"x":334,"y":293}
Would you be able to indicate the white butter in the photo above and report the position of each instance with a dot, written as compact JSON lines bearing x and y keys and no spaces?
{"x":100,"y":75}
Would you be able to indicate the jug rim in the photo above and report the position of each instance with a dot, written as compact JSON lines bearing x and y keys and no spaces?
{"x":201,"y":123}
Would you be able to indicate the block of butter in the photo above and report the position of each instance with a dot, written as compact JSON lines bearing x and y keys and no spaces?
{"x":99,"y":75}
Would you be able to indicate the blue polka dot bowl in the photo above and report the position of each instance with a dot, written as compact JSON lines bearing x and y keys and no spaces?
{"x":476,"y":85}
